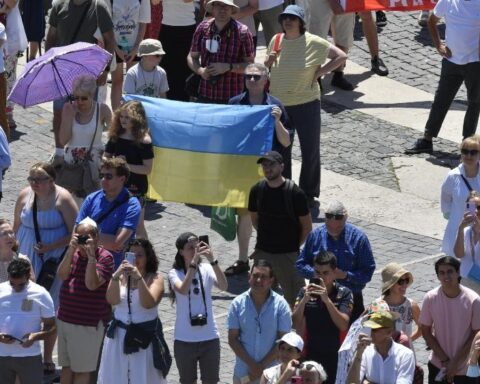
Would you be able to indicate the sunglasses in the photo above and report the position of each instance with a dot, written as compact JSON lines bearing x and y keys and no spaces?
{"x":196,"y":290}
{"x":108,"y":176}
{"x":82,"y":98}
{"x":404,"y":281}
{"x":330,"y":216}
{"x":471,"y":152}
{"x":37,"y":180}
{"x":308,"y":367}
{"x":252,"y":77}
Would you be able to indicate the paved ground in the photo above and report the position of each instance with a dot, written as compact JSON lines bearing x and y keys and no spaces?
{"x":354,"y":144}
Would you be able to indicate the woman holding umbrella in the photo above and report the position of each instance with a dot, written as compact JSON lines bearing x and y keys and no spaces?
{"x":83,"y":121}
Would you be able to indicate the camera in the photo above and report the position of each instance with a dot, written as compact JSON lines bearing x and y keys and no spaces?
{"x":82,"y":239}
{"x":198,"y":320}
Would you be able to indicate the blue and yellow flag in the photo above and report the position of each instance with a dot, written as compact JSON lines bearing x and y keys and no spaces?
{"x":206,"y":154}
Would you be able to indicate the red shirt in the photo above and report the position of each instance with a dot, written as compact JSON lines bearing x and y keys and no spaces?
{"x":235,"y":45}
{"x":78,"y":304}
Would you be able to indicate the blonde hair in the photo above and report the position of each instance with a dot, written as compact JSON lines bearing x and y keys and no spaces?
{"x":472,"y":140}
{"x":86,"y":84}
{"x":138,"y":118}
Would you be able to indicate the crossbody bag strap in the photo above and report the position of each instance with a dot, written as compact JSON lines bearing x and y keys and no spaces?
{"x":35,"y":223}
{"x":470,"y":189}
{"x":104,"y":215}
{"x":96,"y":129}
{"x":203,"y":291}
{"x":79,"y":25}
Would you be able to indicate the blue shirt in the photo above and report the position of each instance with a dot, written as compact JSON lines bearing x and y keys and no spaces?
{"x":258,"y":331}
{"x":125,"y":215}
{"x":353,"y":252}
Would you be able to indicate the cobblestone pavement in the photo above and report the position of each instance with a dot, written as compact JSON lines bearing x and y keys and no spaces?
{"x":353,"y":144}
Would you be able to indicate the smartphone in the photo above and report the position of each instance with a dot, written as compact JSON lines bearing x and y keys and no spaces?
{"x":296,"y":380}
{"x":315,"y":280}
{"x":82,"y":239}
{"x":14,"y":338}
{"x":130,"y":257}
{"x":204,"y":239}
{"x":472,"y":208}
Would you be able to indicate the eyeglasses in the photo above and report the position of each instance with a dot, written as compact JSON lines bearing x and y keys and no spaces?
{"x":470,"y":152}
{"x":108,"y":176}
{"x":82,"y":98}
{"x":37,"y":180}
{"x":252,"y":76}
{"x":196,"y":290}
{"x":330,"y":216}
{"x":404,"y":281}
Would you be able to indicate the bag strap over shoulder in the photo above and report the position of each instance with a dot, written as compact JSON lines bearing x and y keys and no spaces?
{"x":79,"y":25}
{"x":115,"y":205}
{"x":35,"y":222}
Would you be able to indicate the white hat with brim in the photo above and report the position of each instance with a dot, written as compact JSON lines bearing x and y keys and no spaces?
{"x":209,"y":5}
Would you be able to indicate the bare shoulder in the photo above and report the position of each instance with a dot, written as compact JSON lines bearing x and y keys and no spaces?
{"x":147,"y":139}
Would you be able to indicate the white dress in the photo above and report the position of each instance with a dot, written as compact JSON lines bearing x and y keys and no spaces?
{"x":453,"y":202}
{"x":135,"y":368}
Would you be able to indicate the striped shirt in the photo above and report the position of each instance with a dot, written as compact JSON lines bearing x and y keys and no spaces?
{"x":235,"y":46}
{"x":78,"y":304}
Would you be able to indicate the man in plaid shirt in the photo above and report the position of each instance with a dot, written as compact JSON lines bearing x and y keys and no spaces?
{"x":221,"y":49}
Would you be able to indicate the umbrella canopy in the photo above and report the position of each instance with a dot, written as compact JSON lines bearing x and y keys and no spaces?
{"x":50,"y":76}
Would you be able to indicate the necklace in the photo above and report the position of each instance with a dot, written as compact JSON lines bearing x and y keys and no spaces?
{"x":85,"y":115}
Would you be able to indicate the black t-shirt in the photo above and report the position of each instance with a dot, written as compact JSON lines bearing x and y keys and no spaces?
{"x":323,"y":336}
{"x":277,"y":231}
{"x":134,"y":154}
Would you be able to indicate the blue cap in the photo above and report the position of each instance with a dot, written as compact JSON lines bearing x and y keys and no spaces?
{"x":294,"y":10}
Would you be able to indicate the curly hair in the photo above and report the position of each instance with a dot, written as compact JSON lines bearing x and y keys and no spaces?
{"x":152,"y":260}
{"x":138,"y":118}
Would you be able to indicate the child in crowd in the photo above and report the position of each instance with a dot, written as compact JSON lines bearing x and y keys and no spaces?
{"x":147,"y":78}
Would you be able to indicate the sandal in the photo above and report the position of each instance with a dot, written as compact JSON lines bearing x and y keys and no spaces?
{"x":49,"y":369}
{"x":237,"y":268}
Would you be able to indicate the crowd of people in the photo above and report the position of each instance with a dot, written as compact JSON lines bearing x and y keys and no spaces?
{"x":77,"y":269}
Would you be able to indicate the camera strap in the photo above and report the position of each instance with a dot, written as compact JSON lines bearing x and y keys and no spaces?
{"x":200,"y":279}
{"x":129,"y":299}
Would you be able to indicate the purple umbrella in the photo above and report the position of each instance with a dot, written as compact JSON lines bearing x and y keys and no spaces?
{"x":50,"y":76}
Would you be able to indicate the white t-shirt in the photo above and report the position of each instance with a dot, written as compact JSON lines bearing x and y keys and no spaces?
{"x":273,"y":374}
{"x":184,"y":331}
{"x":141,"y":82}
{"x":126,"y":15}
{"x":263,"y":5}
{"x":22,"y":313}
{"x":397,"y":368}
{"x":176,"y":13}
{"x":462,"y":20}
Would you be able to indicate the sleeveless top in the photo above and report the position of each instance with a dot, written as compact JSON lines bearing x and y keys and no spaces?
{"x":82,"y":134}
{"x":139,"y":313}
{"x":405,"y":323}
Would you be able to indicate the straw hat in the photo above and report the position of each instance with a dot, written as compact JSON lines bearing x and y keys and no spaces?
{"x":391,"y":273}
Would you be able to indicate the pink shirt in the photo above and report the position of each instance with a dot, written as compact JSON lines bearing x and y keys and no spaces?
{"x":453,"y":320}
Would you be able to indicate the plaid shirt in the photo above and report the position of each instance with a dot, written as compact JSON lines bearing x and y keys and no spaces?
{"x":235,"y":46}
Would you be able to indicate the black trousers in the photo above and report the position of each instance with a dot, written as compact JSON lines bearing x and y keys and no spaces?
{"x":451,"y":78}
{"x":176,"y":42}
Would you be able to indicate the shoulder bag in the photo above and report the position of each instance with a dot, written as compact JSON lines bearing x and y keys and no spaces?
{"x":78,"y":177}
{"x":49,"y":267}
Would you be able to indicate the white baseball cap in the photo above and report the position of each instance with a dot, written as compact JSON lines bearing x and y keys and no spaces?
{"x":293,"y":339}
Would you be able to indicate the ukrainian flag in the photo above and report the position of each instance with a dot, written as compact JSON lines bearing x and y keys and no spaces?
{"x":206,"y":154}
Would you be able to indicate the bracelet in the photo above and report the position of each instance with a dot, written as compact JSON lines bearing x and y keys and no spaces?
{"x":192,"y":265}
{"x":213,"y":263}
{"x":59,"y":152}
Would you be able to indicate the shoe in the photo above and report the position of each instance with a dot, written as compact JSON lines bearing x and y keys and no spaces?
{"x":237,"y":268}
{"x":381,"y":19}
{"x":379,"y":67}
{"x":423,"y":17}
{"x":421,"y":146}
{"x":339,"y":81}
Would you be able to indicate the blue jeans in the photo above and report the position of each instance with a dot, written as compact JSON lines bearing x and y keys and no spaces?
{"x":306,"y":121}
{"x":451,"y":78}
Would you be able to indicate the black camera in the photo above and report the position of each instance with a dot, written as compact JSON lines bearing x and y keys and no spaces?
{"x":198,"y":320}
{"x":82,"y":239}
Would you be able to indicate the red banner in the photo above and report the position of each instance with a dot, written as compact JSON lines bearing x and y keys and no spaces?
{"x":386,"y":5}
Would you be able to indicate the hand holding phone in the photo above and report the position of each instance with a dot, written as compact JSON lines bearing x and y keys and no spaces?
{"x":130,"y":257}
{"x":203,"y":239}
